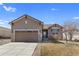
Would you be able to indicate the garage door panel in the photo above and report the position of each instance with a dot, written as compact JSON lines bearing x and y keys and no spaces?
{"x":25,"y":36}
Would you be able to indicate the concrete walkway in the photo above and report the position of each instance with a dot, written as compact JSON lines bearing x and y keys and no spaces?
{"x":17,"y":49}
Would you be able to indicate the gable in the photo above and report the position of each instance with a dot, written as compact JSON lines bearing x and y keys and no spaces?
{"x":26,"y":23}
{"x":20,"y":18}
{"x":56,"y":26}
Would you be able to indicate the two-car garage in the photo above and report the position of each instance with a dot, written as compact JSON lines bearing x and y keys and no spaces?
{"x":26,"y":36}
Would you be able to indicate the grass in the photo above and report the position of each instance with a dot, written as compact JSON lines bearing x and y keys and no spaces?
{"x":58,"y":49}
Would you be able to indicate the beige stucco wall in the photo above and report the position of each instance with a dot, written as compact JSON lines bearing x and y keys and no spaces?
{"x":50,"y":33}
{"x":31,"y":24}
{"x":49,"y":30}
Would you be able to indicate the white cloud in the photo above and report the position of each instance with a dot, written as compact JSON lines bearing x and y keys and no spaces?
{"x":76,"y":17}
{"x":1,"y":3}
{"x":8,"y":8}
{"x":1,"y":20}
{"x":6,"y":21}
{"x":53,"y":9}
{"x":1,"y":23}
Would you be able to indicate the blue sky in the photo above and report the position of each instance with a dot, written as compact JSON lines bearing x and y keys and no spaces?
{"x":49,"y":13}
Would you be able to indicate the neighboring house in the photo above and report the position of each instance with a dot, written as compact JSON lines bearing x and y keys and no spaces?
{"x":27,"y":28}
{"x":53,"y":30}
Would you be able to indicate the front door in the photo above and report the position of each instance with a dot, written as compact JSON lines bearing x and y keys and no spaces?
{"x":45,"y":35}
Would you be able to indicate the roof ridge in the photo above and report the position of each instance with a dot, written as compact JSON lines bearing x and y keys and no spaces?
{"x":25,"y":15}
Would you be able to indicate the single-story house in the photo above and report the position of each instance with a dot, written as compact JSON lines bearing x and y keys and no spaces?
{"x":52,"y":30}
{"x":27,"y":28}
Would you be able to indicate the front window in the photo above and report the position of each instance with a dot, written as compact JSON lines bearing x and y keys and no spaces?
{"x":55,"y":31}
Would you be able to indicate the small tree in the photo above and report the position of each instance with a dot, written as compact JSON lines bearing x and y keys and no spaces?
{"x":69,"y":28}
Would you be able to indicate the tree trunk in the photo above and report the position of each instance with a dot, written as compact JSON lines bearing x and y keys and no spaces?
{"x":66,"y":38}
{"x":70,"y":36}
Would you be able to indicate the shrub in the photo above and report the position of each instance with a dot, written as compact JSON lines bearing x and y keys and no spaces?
{"x":53,"y":39}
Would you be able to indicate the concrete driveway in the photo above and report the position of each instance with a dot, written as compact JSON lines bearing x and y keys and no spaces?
{"x":17,"y":49}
